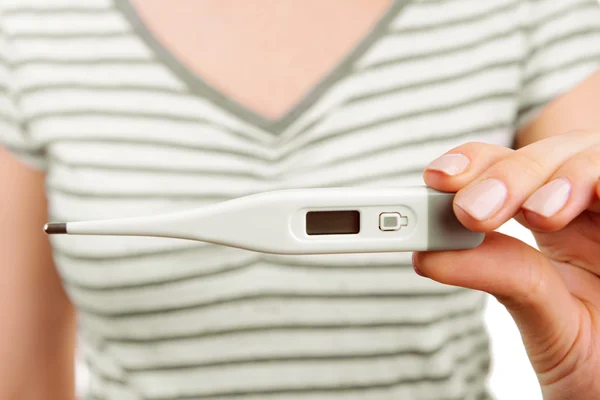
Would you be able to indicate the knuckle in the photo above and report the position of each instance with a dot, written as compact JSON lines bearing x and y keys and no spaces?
{"x":519,"y":164}
{"x":477,"y":148}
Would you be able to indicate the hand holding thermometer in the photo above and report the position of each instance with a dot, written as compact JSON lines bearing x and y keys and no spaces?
{"x":307,"y":221}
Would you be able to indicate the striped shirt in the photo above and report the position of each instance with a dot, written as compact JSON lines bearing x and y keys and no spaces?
{"x":121,"y":129}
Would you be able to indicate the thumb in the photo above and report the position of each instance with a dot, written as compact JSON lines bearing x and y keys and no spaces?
{"x":528,"y":285}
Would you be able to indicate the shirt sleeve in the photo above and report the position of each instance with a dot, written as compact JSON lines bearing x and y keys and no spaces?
{"x":14,"y":135}
{"x":563,"y":49}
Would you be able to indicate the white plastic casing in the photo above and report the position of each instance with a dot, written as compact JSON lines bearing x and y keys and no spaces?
{"x":275,"y":222}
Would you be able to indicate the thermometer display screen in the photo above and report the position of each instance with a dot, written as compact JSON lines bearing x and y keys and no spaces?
{"x":332,"y":222}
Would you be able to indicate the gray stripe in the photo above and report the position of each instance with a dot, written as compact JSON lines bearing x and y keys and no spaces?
{"x":471,"y":334}
{"x":36,"y":153}
{"x":76,"y":192}
{"x":527,"y":108}
{"x":273,"y":296}
{"x":159,"y":169}
{"x":469,"y":71}
{"x":493,"y":65}
{"x":312,"y":143}
{"x":299,"y":327}
{"x":9,"y":119}
{"x":572,"y":7}
{"x":49,"y":61}
{"x":150,"y":116}
{"x":100,"y":139}
{"x":363,"y":179}
{"x":101,"y":87}
{"x":478,"y":351}
{"x":491,"y":12}
{"x":479,"y":41}
{"x":109,"y":259}
{"x":555,"y":41}
{"x":166,"y":281}
{"x":406,"y":115}
{"x":413,"y":29}
{"x":424,"y":140}
{"x":594,"y":58}
{"x":36,"y":117}
{"x":342,"y":181}
{"x":89,"y":362}
{"x":275,"y":126}
{"x":54,"y":10}
{"x":69,"y":35}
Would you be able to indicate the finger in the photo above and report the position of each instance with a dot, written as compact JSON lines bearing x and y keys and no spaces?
{"x":497,"y":194}
{"x":570,"y":191}
{"x":524,"y":281}
{"x":596,"y":207}
{"x":453,"y":170}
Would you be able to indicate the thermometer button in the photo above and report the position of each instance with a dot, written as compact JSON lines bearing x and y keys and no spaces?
{"x":389,"y":221}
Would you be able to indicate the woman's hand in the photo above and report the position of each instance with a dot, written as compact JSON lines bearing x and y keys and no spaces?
{"x":553,"y":188}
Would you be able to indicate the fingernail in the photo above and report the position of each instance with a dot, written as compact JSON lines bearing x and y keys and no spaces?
{"x":483,"y":199}
{"x":550,"y":198}
{"x":415,"y":267}
{"x":450,"y":164}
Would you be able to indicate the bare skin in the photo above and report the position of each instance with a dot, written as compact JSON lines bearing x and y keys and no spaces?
{"x":262,"y":53}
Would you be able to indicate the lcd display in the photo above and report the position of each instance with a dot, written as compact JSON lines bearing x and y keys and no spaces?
{"x":332,"y":222}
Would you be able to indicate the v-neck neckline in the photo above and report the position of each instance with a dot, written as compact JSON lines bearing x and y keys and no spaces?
{"x":200,"y":87}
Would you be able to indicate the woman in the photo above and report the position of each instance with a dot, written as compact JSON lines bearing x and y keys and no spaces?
{"x":116,"y":108}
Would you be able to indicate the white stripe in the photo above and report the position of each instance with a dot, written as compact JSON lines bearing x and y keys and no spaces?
{"x":65,"y":207}
{"x":260,"y":376}
{"x":11,"y":136}
{"x":418,"y":71}
{"x":569,"y":49}
{"x":247,"y":314}
{"x":257,"y":279}
{"x":77,"y":49}
{"x":139,"y":157}
{"x":151,"y":269}
{"x":151,"y":75}
{"x":434,"y":13}
{"x":7,"y":107}
{"x":75,"y":100}
{"x":123,"y":184}
{"x":408,"y":73}
{"x":66,"y":23}
{"x":292,"y":343}
{"x":565,"y":24}
{"x":415,"y":101}
{"x":399,"y":179}
{"x":344,"y":260}
{"x":576,"y":49}
{"x":417,"y":44}
{"x":175,"y":105}
{"x":552,"y":85}
{"x":55,"y":4}
{"x":156,"y":131}
{"x":395,"y":134}
{"x":543,"y":9}
{"x":115,"y":247}
{"x":102,"y":361}
{"x":387,"y":162}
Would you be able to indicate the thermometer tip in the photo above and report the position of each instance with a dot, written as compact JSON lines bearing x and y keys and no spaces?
{"x":53,"y":229}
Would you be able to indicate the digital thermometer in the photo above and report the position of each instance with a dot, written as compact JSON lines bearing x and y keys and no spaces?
{"x":307,"y":221}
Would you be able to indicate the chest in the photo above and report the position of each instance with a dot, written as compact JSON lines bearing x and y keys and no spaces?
{"x":266,"y":54}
